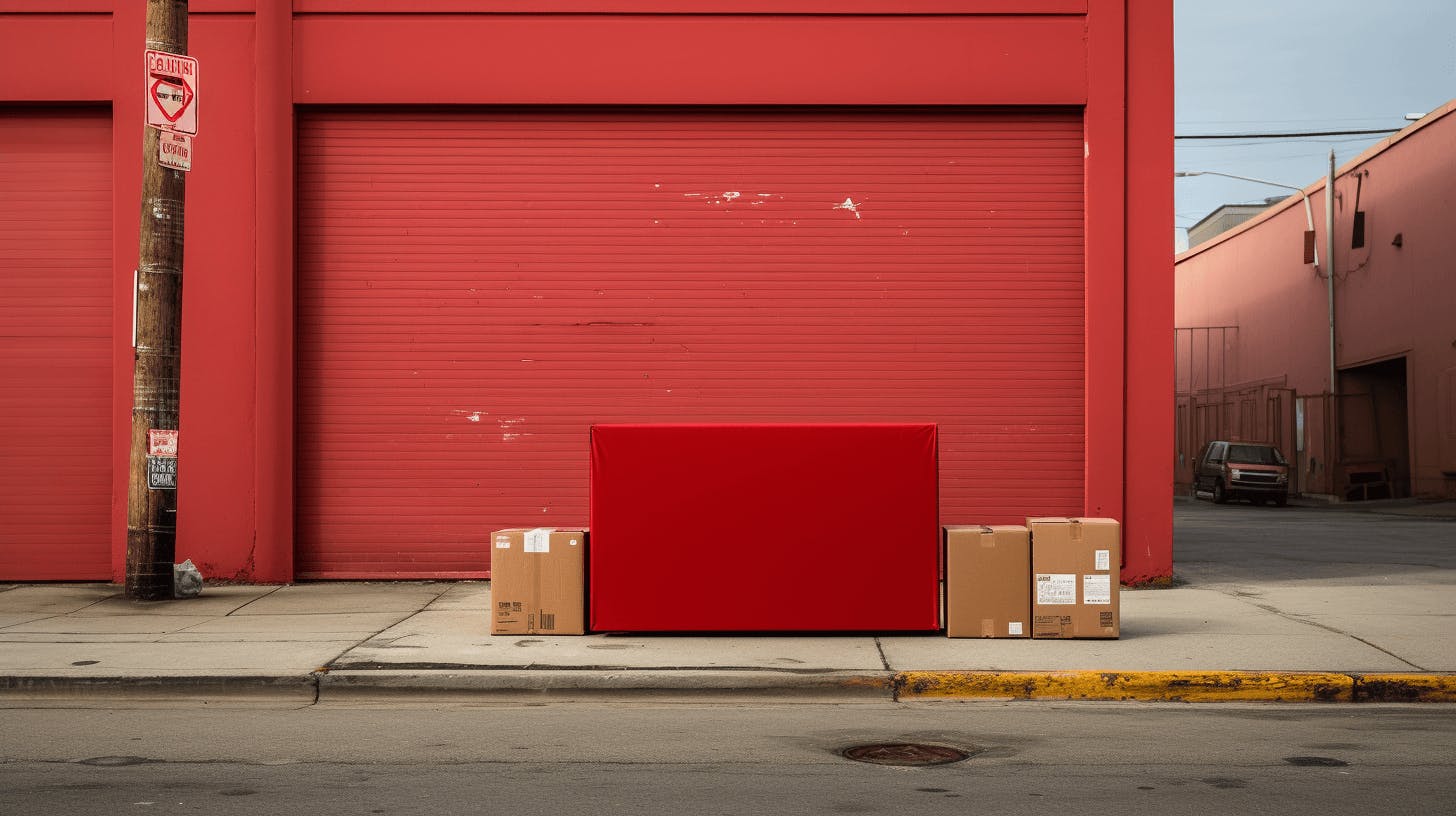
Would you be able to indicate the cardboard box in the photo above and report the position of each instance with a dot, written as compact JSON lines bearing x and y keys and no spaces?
{"x":987,"y":581}
{"x":1075,"y":564}
{"x":538,"y":582}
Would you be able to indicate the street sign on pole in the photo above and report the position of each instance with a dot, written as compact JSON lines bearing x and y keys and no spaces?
{"x":175,"y":151}
{"x":171,"y":92}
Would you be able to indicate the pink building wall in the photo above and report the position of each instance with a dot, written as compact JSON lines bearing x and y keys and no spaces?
{"x":1391,"y":302}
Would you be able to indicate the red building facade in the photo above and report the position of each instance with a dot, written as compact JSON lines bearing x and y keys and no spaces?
{"x":430,"y":243}
{"x":1253,"y":334}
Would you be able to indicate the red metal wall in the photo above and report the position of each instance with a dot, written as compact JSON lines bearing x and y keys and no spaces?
{"x":264,"y":58}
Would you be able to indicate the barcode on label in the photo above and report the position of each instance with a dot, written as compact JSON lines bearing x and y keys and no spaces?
{"x":548,"y":620}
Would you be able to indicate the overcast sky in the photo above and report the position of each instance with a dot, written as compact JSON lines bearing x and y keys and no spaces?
{"x":1256,"y":66}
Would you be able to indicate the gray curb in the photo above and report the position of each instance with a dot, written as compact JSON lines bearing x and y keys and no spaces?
{"x":342,"y":685}
{"x":166,"y":689}
{"x":720,"y":685}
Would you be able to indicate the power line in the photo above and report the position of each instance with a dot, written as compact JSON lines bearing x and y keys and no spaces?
{"x":1303,"y":135}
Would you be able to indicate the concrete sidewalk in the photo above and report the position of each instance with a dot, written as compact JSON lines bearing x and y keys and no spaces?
{"x":329,"y":642}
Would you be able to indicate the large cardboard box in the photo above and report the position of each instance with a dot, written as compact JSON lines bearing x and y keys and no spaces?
{"x":987,"y":581}
{"x":538,"y":582}
{"x":1075,"y":565}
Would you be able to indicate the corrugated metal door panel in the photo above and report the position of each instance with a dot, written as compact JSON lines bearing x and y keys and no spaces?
{"x":55,"y":327}
{"x":477,"y":288}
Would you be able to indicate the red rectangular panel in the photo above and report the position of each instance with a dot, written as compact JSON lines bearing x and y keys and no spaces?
{"x":764,"y":528}
{"x":663,"y":59}
{"x":55,"y":57}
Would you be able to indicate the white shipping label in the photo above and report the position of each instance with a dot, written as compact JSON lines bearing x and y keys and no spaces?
{"x":1013,"y":628}
{"x":539,"y":540}
{"x":1097,"y":589}
{"x":502,"y":542}
{"x":1056,"y":588}
{"x":1104,"y":560}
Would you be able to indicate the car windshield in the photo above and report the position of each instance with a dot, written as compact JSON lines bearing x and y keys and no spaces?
{"x":1255,"y":455}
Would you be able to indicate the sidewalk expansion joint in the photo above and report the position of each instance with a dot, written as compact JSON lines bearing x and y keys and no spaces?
{"x":1326,"y":627}
{"x":884,"y":661}
{"x":253,"y":601}
{"x":329,"y":664}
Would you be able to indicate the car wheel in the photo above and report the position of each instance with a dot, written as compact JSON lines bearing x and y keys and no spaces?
{"x":1219,"y":496}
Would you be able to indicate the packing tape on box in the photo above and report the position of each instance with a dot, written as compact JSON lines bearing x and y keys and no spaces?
{"x":539,"y":540}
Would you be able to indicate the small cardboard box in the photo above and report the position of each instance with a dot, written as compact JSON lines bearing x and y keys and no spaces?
{"x":538,"y":582}
{"x":987,"y":581}
{"x":1075,"y":566}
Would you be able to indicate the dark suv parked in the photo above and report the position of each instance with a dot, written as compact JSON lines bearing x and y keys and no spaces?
{"x":1241,"y":470}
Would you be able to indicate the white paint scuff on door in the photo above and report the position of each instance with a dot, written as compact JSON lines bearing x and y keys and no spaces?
{"x":508,"y":425}
{"x":851,"y":205}
{"x":725,"y":197}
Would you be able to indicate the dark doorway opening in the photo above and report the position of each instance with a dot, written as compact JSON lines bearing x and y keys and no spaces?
{"x":1375,"y":431}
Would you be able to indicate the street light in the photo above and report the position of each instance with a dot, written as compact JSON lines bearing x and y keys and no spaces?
{"x":1308,"y":211}
{"x":1329,"y":275}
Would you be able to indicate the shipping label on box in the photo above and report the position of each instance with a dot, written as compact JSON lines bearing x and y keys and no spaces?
{"x":1074,"y":564}
{"x":538,"y":582}
{"x":1056,"y":589}
{"x":987,"y":581}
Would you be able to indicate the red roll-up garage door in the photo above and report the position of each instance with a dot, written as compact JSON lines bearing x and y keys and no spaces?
{"x":477,"y":288}
{"x":55,"y":323}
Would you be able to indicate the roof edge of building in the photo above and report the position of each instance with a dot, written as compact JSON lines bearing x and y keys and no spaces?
{"x":1295,"y":199}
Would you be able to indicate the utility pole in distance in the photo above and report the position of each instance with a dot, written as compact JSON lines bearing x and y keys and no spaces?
{"x":151,"y":512}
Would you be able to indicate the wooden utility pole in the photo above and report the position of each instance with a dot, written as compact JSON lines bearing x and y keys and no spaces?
{"x":151,"y":513}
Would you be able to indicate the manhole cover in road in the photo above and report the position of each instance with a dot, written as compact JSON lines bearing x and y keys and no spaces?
{"x":905,"y":753}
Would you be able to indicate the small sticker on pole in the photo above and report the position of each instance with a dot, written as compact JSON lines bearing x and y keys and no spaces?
{"x":174,"y":150}
{"x":162,"y":443}
{"x":171,"y":92}
{"x":161,"y":459}
{"x":161,"y":473}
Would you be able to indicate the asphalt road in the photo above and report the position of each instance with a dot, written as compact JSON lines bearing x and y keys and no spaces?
{"x":672,"y":759}
{"x":1229,"y":543}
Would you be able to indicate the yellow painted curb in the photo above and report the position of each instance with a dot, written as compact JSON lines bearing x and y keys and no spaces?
{"x":1405,"y":688}
{"x":1174,"y":686}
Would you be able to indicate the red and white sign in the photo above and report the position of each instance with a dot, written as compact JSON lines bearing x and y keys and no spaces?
{"x":174,"y":150}
{"x":171,"y":92}
{"x":161,"y":443}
